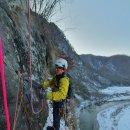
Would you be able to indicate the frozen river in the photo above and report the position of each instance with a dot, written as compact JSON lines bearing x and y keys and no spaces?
{"x":108,"y":116}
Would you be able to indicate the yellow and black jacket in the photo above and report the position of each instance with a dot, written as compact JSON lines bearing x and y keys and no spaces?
{"x":60,"y":85}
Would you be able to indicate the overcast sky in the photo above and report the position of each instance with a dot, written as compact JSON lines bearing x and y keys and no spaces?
{"x":99,"y":27}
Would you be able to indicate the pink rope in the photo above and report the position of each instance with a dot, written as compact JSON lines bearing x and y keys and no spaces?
{"x":4,"y":87}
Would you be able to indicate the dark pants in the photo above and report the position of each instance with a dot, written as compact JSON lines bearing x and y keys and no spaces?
{"x":56,"y":114}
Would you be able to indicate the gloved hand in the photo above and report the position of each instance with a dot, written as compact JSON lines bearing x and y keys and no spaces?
{"x":36,"y":85}
{"x":49,"y":95}
{"x":42,"y":95}
{"x":39,"y":87}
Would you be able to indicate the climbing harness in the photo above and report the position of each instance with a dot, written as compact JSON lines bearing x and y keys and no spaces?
{"x":4,"y":87}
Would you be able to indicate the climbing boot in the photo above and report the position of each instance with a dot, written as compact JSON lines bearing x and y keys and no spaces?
{"x":50,"y":128}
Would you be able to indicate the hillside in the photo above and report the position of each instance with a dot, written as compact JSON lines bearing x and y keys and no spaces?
{"x":113,"y":70}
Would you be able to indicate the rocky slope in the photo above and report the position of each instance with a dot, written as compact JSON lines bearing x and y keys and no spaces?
{"x":48,"y":43}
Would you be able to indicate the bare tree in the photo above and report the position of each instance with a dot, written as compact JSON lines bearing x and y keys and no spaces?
{"x":45,"y":7}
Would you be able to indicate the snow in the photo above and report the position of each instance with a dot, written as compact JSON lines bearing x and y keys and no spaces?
{"x":116,"y":117}
{"x":120,"y":98}
{"x":116,"y":90}
{"x":49,"y":121}
{"x":124,"y":122}
{"x":111,"y":67}
{"x":116,"y":93}
{"x":78,"y":97}
{"x":50,"y":116}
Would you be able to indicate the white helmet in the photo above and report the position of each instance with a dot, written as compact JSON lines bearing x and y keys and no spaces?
{"x":61,"y":63}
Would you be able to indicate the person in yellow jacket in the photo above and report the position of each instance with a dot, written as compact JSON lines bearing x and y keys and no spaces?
{"x":60,"y":85}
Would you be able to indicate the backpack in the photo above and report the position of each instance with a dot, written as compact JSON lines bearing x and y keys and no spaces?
{"x":70,"y":93}
{"x":64,"y":111}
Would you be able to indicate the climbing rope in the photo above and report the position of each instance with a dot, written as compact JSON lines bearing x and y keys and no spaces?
{"x":17,"y":106}
{"x":20,"y":103}
{"x":30,"y":126}
{"x":4,"y":87}
{"x":30,"y":61}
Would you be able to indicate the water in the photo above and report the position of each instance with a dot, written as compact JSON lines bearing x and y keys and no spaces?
{"x":87,"y":118}
{"x":88,"y":115}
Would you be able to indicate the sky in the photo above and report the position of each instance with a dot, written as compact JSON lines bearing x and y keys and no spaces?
{"x":99,"y":27}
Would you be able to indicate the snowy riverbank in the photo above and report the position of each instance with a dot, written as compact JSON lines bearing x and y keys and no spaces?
{"x":116,"y":117}
{"x":91,"y":118}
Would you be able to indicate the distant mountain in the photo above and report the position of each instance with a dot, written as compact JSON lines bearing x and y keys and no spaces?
{"x":113,"y":70}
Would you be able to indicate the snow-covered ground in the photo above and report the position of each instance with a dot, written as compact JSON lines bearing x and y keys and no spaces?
{"x":116,"y":117}
{"x":49,"y":121}
{"x":116,"y":90}
{"x":116,"y":93}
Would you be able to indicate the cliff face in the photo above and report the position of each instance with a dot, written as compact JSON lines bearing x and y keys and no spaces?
{"x":14,"y":33}
{"x":48,"y":43}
